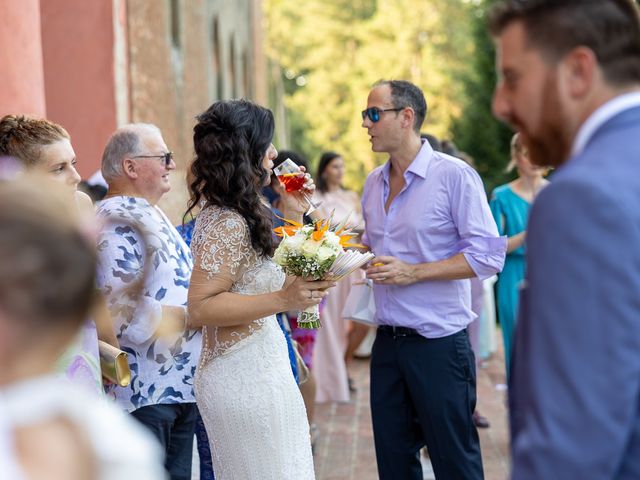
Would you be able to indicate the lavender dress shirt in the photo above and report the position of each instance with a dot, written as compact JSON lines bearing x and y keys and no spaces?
{"x":441,"y":211}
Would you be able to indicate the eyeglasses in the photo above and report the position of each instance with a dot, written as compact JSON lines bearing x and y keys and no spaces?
{"x":374,"y":112}
{"x":167,"y":157}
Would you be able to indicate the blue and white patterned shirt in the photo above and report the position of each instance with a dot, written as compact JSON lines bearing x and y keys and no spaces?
{"x":162,"y":369}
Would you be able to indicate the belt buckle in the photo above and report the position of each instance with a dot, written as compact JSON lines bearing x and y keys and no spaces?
{"x":398,"y":333}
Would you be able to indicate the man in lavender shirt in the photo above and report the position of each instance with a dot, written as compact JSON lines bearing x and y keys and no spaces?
{"x":429,"y":224}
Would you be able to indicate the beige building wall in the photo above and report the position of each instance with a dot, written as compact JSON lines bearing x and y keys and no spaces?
{"x":95,"y":65}
{"x":183,"y":55}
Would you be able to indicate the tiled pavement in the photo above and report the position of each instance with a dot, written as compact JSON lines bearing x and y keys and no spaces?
{"x":345,"y":448}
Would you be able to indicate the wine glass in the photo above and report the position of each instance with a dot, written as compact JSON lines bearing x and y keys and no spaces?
{"x":293,"y":180}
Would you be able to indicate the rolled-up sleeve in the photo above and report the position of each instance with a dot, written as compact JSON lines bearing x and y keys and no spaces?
{"x":480,"y":242}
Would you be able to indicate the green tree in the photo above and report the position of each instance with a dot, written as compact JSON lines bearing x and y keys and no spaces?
{"x":476,"y":131}
{"x":331,"y":52}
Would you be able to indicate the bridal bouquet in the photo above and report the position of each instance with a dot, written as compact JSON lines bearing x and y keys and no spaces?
{"x":317,"y":252}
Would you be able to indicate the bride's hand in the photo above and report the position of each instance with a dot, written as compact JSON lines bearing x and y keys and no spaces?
{"x":309,"y":185}
{"x":294,"y":204}
{"x":300,"y":293}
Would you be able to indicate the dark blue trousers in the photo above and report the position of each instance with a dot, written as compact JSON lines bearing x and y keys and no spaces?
{"x":423,"y":392}
{"x":173,"y":425}
{"x":204,"y":450}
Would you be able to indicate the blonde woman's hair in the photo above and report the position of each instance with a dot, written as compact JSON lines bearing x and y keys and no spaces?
{"x":517,"y":148}
{"x":23,"y":137}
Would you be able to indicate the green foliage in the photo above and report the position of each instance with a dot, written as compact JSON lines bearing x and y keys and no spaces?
{"x":477,"y":132}
{"x":332,"y":51}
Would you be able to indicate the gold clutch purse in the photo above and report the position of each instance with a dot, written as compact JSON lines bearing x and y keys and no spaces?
{"x":114,"y":364}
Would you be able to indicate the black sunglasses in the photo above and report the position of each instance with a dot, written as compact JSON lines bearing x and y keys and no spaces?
{"x":374,"y":112}
{"x":168,"y":157}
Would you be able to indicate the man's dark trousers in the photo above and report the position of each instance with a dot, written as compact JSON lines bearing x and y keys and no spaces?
{"x":174,"y":426}
{"x":423,"y":391}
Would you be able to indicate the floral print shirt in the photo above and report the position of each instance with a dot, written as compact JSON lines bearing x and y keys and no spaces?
{"x":162,"y":367}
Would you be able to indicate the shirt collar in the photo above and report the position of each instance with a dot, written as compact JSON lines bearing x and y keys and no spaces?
{"x":419,"y":165}
{"x":130,"y":199}
{"x":600,"y":116}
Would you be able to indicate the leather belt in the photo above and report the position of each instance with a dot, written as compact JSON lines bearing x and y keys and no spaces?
{"x":397,"y":331}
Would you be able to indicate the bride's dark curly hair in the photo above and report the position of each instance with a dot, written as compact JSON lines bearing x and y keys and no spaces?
{"x":230,"y":140}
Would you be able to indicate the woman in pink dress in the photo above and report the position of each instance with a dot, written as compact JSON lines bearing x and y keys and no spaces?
{"x":337,"y":339}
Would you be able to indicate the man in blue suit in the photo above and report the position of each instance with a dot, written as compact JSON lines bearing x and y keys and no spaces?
{"x":569,"y":81}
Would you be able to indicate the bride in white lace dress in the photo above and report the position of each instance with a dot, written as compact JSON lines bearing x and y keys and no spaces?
{"x":245,"y":389}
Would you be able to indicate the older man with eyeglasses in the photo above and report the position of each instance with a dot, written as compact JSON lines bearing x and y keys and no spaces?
{"x":428,"y":222}
{"x":150,"y":324}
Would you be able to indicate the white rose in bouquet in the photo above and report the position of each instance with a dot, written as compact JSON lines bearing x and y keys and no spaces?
{"x":325,"y":252}
{"x":295,"y":243}
{"x":332,"y":239}
{"x":310,"y":248}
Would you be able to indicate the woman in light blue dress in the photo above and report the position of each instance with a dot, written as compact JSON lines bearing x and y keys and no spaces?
{"x":510,"y":206}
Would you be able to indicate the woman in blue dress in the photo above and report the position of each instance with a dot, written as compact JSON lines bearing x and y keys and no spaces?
{"x":510,"y":206}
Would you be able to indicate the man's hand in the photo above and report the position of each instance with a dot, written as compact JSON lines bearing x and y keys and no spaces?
{"x":391,"y":271}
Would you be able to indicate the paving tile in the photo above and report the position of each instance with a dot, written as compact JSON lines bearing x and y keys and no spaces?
{"x":345,"y":450}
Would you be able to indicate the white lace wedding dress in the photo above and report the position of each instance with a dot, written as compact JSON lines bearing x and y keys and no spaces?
{"x":245,"y":390}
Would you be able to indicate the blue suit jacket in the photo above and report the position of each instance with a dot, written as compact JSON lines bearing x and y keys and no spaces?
{"x":575,"y":385}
